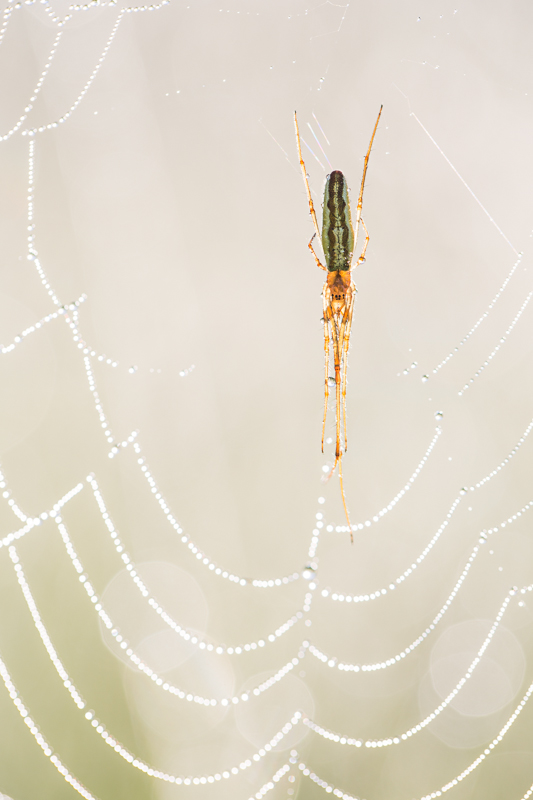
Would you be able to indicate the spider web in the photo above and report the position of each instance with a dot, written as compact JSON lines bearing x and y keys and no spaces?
{"x":177,"y":584}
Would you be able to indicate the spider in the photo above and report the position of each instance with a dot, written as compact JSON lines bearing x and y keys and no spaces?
{"x":339,"y":240}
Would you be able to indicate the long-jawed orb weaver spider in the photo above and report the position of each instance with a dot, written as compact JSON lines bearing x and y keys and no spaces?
{"x":339,"y":241}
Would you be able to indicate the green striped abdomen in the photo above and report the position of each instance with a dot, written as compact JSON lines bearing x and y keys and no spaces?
{"x":337,"y":230}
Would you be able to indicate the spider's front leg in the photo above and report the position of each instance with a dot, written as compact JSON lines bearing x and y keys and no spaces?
{"x":312,"y":249}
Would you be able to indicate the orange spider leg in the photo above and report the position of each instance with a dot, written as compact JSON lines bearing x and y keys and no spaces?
{"x":312,"y":249}
{"x":325,"y":480}
{"x":346,"y":338}
{"x":344,"y":343}
{"x":327,"y":312}
{"x":342,"y":378}
{"x":360,"y":198}
{"x":344,"y":500}
{"x":339,"y":347}
{"x":304,"y":173}
{"x":363,"y":251}
{"x":337,"y":362}
{"x":346,"y":346}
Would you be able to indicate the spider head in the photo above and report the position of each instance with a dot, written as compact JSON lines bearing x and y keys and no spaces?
{"x":339,"y":284}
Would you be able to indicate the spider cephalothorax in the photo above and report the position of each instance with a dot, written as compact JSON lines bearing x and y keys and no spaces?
{"x":338,"y":290}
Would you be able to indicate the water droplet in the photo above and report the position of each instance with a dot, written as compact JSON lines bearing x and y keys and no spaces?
{"x":438,"y":415}
{"x":329,"y":440}
{"x":133,"y":369}
{"x":414,"y":365}
{"x":463,"y":490}
{"x":331,"y":381}
{"x":425,"y":378}
{"x":406,"y":372}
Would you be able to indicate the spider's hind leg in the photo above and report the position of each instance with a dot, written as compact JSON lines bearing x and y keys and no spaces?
{"x":327,"y":319}
{"x":345,"y":347}
{"x":346,"y":513}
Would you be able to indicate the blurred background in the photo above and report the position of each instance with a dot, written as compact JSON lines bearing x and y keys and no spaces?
{"x":172,"y":197}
